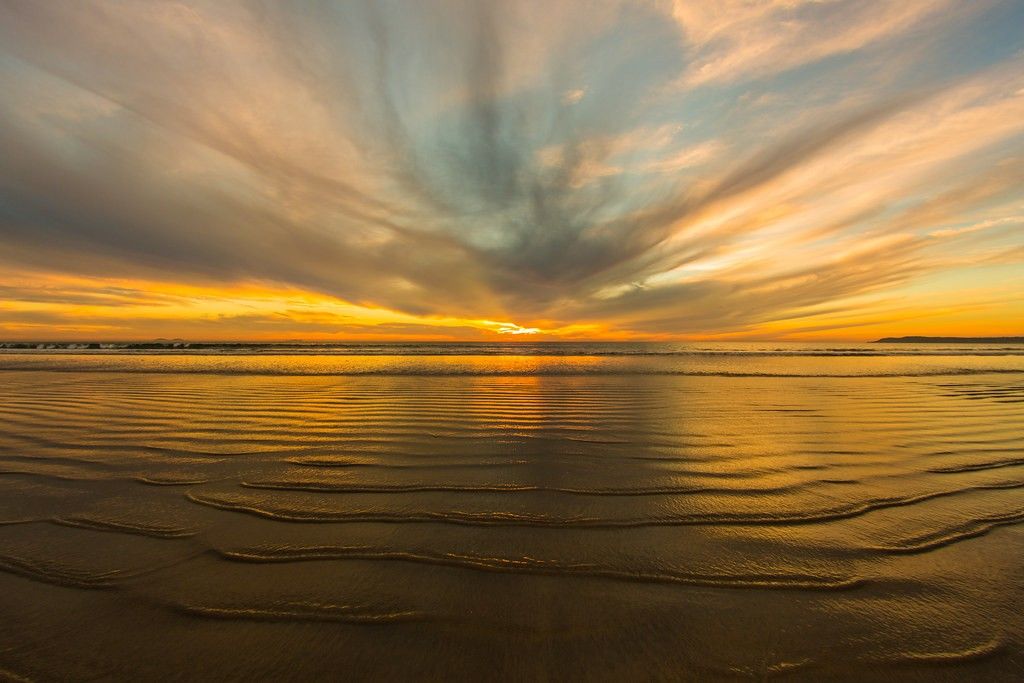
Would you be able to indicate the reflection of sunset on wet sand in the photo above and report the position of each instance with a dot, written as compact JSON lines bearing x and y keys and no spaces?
{"x":713,"y":511}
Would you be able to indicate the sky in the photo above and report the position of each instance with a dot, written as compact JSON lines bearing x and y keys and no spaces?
{"x":590,"y":169}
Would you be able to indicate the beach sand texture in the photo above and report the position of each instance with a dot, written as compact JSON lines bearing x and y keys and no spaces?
{"x":201,"y":518}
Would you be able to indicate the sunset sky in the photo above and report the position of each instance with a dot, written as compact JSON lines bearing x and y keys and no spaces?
{"x":649,"y":169}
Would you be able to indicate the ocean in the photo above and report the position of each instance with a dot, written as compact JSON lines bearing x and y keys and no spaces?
{"x":520,"y":511}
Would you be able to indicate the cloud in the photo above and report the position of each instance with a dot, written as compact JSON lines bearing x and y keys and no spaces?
{"x":442,"y":161}
{"x":975,"y":227}
{"x":573,"y":96}
{"x":732,"y":40}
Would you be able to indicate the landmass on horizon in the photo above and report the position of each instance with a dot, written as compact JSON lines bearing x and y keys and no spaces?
{"x":950,"y":340}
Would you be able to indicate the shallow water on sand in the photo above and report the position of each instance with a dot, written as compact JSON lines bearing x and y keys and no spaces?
{"x":163,"y":518}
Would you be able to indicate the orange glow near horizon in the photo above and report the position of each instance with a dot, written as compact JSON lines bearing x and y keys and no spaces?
{"x":136,"y":310}
{"x":69,"y":308}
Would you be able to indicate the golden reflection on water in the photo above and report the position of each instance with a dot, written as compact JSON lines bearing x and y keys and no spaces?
{"x":698,"y":364}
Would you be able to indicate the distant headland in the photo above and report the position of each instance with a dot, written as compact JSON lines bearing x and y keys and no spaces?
{"x":950,"y":340}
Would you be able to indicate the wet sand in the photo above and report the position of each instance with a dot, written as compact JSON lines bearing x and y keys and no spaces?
{"x":210,"y":525}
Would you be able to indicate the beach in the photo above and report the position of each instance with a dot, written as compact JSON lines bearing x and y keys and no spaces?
{"x":512,"y":512}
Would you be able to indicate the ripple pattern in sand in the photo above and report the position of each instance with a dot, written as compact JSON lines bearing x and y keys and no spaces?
{"x":612,"y":514}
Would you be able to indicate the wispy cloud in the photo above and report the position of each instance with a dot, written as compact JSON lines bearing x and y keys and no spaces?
{"x":474,"y":168}
{"x":732,"y":40}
